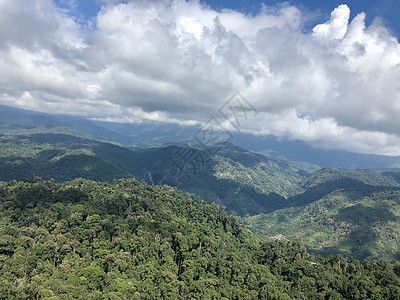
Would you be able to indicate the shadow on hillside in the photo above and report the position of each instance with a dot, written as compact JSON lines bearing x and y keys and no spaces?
{"x":317,"y":192}
{"x":395,"y":175}
{"x":361,"y":241}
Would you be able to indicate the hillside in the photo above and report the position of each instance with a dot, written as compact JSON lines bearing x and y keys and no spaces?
{"x":369,"y":177}
{"x":128,"y":240}
{"x":242,"y":181}
{"x":356,"y":218}
{"x":52,"y":153}
{"x":274,"y":198}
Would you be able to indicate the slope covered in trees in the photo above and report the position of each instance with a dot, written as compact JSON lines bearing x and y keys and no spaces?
{"x":242,"y":181}
{"x":128,"y":240}
{"x":54,"y":154}
{"x":330,"y":210}
{"x":352,"y":212}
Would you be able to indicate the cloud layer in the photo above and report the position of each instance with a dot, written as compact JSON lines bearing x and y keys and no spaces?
{"x":177,"y":61}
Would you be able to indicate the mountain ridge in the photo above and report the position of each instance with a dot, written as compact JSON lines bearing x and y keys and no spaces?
{"x":159,"y":134}
{"x":204,"y":174}
{"x":261,"y":190}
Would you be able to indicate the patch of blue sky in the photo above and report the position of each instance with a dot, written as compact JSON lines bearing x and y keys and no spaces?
{"x":318,"y":11}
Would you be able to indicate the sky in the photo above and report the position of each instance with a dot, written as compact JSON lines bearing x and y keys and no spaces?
{"x":326,"y":72}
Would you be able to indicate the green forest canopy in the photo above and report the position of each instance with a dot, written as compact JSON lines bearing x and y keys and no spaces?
{"x":127,"y":240}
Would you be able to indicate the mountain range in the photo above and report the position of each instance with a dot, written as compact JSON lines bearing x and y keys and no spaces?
{"x":60,"y":153}
{"x":353,"y":212}
{"x":162,"y":134}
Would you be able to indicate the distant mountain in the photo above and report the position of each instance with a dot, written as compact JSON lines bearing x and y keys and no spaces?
{"x":296,"y":150}
{"x":163,"y":134}
{"x":271,"y":146}
{"x":352,"y":212}
{"x":152,"y":134}
{"x":10,"y":116}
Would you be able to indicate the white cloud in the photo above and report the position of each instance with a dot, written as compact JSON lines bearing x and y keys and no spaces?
{"x":336,"y":27}
{"x":179,"y":61}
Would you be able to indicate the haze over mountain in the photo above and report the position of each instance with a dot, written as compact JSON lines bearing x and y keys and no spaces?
{"x":156,"y":134}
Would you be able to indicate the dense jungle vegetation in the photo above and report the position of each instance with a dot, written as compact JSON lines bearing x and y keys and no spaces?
{"x":128,"y":240}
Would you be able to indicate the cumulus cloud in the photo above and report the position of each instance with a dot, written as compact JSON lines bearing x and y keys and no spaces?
{"x":179,"y":61}
{"x":336,"y":27}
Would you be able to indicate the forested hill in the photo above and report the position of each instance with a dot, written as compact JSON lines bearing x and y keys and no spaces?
{"x":352,"y":212}
{"x":242,"y":181}
{"x":128,"y":240}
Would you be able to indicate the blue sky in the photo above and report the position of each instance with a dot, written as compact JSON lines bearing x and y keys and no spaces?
{"x":387,"y":10}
